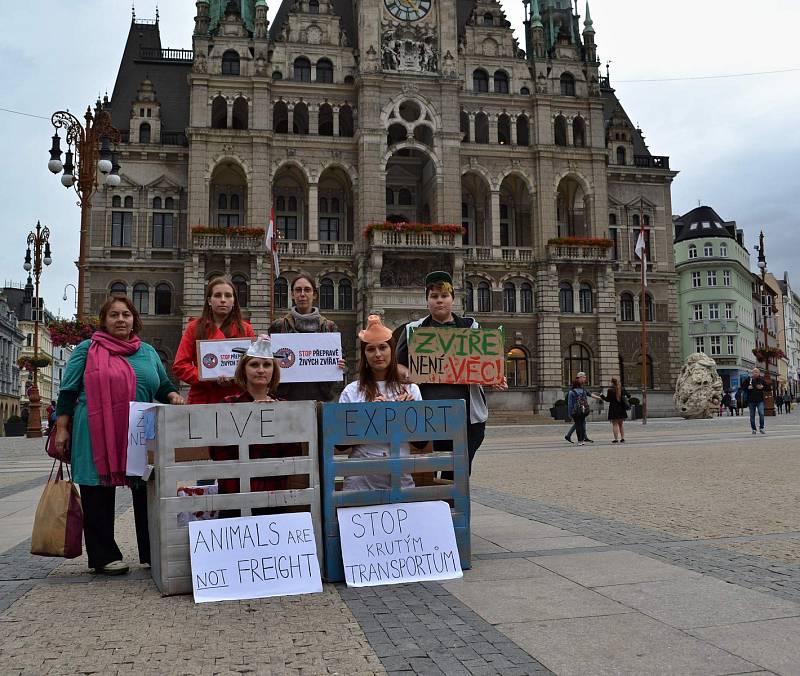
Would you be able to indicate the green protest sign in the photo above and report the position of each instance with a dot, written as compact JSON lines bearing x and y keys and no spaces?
{"x":458,"y":356}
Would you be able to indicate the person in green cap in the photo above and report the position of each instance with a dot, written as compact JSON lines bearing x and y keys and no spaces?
{"x":439,"y":295}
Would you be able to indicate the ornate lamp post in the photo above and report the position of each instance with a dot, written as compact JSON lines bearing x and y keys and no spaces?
{"x":38,"y":239}
{"x":75,"y":294}
{"x":92,"y":153}
{"x":769,"y":400}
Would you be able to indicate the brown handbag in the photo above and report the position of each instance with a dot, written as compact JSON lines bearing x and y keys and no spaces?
{"x":58,"y":524}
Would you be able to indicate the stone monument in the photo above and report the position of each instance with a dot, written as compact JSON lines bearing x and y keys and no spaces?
{"x":698,"y":390}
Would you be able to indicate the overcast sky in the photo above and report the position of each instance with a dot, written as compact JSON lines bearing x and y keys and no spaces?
{"x":732,"y":139}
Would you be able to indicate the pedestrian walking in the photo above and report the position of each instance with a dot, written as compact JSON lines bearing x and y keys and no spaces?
{"x":104,"y":374}
{"x":728,"y":402}
{"x":378,"y":380}
{"x":741,"y":399}
{"x":579,"y":408}
{"x":618,"y":405}
{"x":221,"y":318}
{"x":779,"y":402}
{"x":439,"y":297}
{"x":581,"y":379}
{"x":754,"y":386}
{"x":304,"y":317}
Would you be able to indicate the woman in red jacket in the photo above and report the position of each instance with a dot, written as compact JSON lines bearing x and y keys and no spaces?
{"x":221,"y":318}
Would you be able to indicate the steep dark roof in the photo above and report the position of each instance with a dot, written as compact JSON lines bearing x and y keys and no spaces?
{"x":611,"y":104}
{"x":702,"y":223}
{"x":142,"y":59}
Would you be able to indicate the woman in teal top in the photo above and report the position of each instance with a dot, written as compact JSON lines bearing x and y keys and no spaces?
{"x":104,"y":374}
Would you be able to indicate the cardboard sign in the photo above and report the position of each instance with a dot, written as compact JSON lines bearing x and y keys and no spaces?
{"x":458,"y":356}
{"x":253,"y":557}
{"x":138,"y":423}
{"x":216,"y":358}
{"x":308,"y":357}
{"x":402,"y":542}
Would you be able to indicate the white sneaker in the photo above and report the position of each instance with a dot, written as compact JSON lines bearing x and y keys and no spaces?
{"x":580,"y":443}
{"x":113,"y":568}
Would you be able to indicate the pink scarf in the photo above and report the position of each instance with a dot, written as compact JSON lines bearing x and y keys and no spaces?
{"x":110,"y":384}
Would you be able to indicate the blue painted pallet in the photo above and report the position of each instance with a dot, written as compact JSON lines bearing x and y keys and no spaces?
{"x":393,"y":423}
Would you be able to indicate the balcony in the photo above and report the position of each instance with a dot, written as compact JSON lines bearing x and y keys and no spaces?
{"x":227,"y":242}
{"x":336,"y":249}
{"x":302,"y":247}
{"x":292,"y":247}
{"x":479,"y":253}
{"x":578,"y":253}
{"x":516,"y":254}
{"x":393,"y":239}
{"x":651,"y":162}
{"x":713,"y":327}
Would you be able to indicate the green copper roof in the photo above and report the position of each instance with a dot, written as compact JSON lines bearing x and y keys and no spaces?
{"x":217,"y":11}
{"x":588,"y":24}
{"x":536,"y":17}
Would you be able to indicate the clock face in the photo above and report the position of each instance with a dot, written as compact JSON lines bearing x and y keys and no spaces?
{"x":408,"y":10}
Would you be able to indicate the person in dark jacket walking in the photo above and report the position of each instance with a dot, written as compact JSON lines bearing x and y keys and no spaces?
{"x":754,"y":386}
{"x":578,"y":407}
{"x":617,"y":399}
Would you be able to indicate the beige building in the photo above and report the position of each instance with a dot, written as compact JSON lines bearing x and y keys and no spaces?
{"x":342,"y":115}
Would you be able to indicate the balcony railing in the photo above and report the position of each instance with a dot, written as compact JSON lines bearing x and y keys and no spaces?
{"x":206,"y":242}
{"x":516,"y":254}
{"x":293,"y":247}
{"x":579,"y":252}
{"x":161,"y":54}
{"x":344,"y":249}
{"x":415,"y":240}
{"x":479,"y":253}
{"x":168,"y":138}
{"x":651,"y":161}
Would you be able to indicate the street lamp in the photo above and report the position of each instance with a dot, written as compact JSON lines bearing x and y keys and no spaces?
{"x":75,"y":294}
{"x":37,"y":240}
{"x":89,"y":146}
{"x":769,"y":400}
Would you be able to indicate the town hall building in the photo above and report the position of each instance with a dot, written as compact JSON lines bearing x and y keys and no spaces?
{"x":392,"y":138}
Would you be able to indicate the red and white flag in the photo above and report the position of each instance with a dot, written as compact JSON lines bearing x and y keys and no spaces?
{"x":272,"y":243}
{"x":641,"y":253}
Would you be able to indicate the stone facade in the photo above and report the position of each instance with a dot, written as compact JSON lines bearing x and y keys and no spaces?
{"x":340,"y":115}
{"x":11,"y":339}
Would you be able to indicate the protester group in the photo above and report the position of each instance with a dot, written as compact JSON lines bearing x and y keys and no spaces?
{"x":116,"y":367}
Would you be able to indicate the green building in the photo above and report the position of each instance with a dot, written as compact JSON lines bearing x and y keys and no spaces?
{"x":715,"y":292}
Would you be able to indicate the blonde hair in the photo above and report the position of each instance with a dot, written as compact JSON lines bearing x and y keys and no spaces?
{"x":442,"y":287}
{"x":241,"y":380}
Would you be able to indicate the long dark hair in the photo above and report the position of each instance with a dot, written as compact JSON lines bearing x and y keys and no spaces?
{"x":617,"y":388}
{"x":205,"y":325}
{"x":366,"y":378}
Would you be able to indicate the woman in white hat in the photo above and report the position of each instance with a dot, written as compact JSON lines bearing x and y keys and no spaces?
{"x":378,"y":380}
{"x":258,"y":374}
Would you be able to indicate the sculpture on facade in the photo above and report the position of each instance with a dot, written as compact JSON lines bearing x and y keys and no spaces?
{"x":698,"y":390}
{"x":409,"y":48}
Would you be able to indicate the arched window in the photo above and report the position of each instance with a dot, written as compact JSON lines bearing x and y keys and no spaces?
{"x":277,"y":75}
{"x":708,"y":249}
{"x":612,"y":219}
{"x":526,"y":298}
{"x":585,"y":297}
{"x":469,"y":299}
{"x":481,"y":128}
{"x":503,"y":129}
{"x":517,"y":367}
{"x":500,"y":82}
{"x":141,"y":298}
{"x":649,"y":307}
{"x":222,"y":202}
{"x":509,"y":297}
{"x":523,"y":131}
{"x":287,"y":216}
{"x":219,"y":113}
{"x":484,"y":297}
{"x":692,"y":251}
{"x":118,"y":289}
{"x":525,"y":91}
{"x":163,"y":299}
{"x":345,"y":295}
{"x":240,"y":113}
{"x":325,"y":120}
{"x":128,"y":202}
{"x":326,"y":294}
{"x":560,"y":128}
{"x":480,"y":81}
{"x":156,"y":203}
{"x":300,"y":118}
{"x":567,"y":84}
{"x":281,"y":293}
{"x":144,"y":132}
{"x":566,"y":302}
{"x":488,"y":19}
{"x":280,"y":118}
{"x":325,"y":71}
{"x":404,"y":197}
{"x":230,"y":62}
{"x":116,"y":202}
{"x":577,"y":358}
{"x":346,"y":125}
{"x":302,"y":69}
{"x":621,"y":157}
{"x":579,"y":132}
{"x":240,"y":284}
{"x":313,"y":6}
{"x":626,"y":307}
{"x":169,"y":203}
{"x":463,"y":120}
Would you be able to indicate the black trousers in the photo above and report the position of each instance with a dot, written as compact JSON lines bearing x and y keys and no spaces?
{"x":98,"y":524}
{"x":580,"y":427}
{"x":475,"y":434}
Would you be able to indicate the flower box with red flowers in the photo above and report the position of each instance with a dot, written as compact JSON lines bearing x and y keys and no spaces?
{"x":448,"y":228}
{"x":582,"y":241}
{"x":232,"y":231}
{"x":33,"y":363}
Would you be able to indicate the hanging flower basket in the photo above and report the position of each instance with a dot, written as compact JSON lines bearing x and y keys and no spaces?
{"x":32,"y":363}
{"x":234,"y":231}
{"x":71,"y":332}
{"x":767,"y":354}
{"x":449,"y":228}
{"x":582,"y":241}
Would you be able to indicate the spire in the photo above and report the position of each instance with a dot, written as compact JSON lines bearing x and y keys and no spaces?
{"x":536,"y":17}
{"x":588,"y":24}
